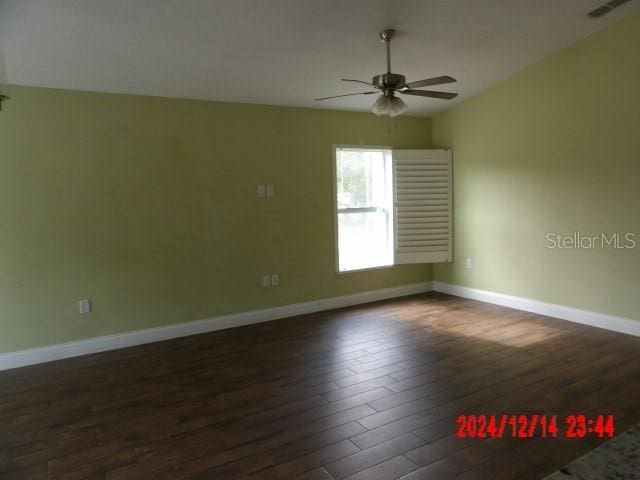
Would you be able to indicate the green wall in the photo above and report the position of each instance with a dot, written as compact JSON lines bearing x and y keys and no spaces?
{"x":553,"y":149}
{"x":148,"y":206}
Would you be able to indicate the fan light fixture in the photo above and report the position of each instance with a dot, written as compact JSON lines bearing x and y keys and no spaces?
{"x":389,"y":105}
{"x":391,"y":83}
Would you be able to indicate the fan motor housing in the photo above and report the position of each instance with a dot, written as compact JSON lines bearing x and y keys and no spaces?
{"x":389,"y":80}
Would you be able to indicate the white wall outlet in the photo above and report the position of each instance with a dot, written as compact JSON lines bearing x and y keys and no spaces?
{"x":261,"y":191}
{"x":275,"y":280}
{"x":84,"y":306}
{"x":266,"y":280}
{"x":270,"y":191}
{"x":468,"y":263}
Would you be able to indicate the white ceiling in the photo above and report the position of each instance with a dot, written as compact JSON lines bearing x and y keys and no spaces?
{"x":282,"y":52}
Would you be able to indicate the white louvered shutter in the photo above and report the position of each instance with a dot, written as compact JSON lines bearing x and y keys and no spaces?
{"x":422,"y":201}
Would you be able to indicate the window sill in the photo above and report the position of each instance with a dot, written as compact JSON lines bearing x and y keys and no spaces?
{"x":367,"y":269}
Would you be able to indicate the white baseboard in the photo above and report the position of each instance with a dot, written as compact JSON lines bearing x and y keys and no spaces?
{"x":139,"y":337}
{"x":585,"y":317}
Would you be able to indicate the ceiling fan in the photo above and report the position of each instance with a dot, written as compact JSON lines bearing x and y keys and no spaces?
{"x":391,"y":83}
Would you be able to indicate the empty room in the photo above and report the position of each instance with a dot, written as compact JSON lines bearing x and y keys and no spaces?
{"x":319,"y":239}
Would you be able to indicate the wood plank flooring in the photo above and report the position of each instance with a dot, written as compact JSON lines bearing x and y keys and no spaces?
{"x":369,"y":392}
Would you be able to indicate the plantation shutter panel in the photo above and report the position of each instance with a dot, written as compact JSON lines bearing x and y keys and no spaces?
{"x":422,"y":203}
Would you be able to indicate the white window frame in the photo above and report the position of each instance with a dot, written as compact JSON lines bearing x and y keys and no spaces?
{"x":336,"y":210}
{"x":400,"y":257}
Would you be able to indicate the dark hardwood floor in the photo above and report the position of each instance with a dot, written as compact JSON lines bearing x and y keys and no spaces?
{"x":370,"y":392}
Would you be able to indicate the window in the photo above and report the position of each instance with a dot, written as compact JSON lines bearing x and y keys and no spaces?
{"x":392,"y":207}
{"x":364,"y":207}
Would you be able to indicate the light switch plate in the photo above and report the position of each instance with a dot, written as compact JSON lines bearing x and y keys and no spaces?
{"x":84,"y":306}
